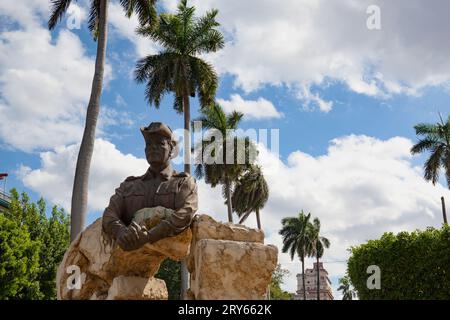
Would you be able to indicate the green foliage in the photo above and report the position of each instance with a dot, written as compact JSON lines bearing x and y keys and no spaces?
{"x":144,"y":9}
{"x":435,"y":138}
{"x":48,"y":237}
{"x":170,"y":273}
{"x":413,"y":265}
{"x":319,"y":243}
{"x":276,"y":293}
{"x":345,"y":286}
{"x":219,"y":155}
{"x":19,"y":261}
{"x":178,"y":68}
{"x":250,"y":193}
{"x":303,"y":238}
{"x":297,"y":235}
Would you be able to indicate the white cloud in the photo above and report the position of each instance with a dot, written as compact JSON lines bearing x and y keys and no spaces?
{"x":359,"y":189}
{"x":25,"y":12}
{"x":305,"y":44}
{"x":253,"y":109}
{"x":54,"y":179}
{"x":126,"y":27}
{"x":44,"y":82}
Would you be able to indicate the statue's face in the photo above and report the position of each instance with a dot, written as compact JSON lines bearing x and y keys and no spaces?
{"x":157,"y":149}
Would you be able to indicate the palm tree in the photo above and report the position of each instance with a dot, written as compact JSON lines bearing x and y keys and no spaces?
{"x":215,"y":166}
{"x":319,"y":244}
{"x":296,"y":233}
{"x":177,"y":68}
{"x":436,"y":140}
{"x":98,"y":24}
{"x":347,"y":292}
{"x":250,"y":194}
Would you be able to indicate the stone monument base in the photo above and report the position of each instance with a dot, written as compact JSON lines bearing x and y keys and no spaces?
{"x":225,"y":261}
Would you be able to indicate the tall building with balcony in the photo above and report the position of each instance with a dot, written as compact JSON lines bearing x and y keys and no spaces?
{"x":326,"y":293}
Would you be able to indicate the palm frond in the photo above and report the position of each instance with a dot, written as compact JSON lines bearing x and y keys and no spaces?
{"x":426,"y":129}
{"x":144,"y":9}
{"x":167,"y":32}
{"x":57,"y":11}
{"x":233,"y":119}
{"x":432,"y":165}
{"x":204,"y":79}
{"x":204,"y":37}
{"x":424,"y":144}
{"x":94,"y":18}
{"x":156,"y":70}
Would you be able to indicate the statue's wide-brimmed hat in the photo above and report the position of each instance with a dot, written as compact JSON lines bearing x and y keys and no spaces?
{"x":161,"y":129}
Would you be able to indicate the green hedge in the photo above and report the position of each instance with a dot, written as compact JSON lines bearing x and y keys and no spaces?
{"x":413,"y":265}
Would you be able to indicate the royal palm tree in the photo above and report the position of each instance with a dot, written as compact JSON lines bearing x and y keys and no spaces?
{"x":178,"y":68}
{"x":319,"y":244}
{"x":250,"y":194}
{"x":218,"y":147}
{"x":98,"y":24}
{"x":345,"y":287}
{"x":436,"y":140}
{"x":296,"y":233}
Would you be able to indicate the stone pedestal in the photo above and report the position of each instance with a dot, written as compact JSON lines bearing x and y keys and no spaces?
{"x":229,"y":261}
{"x":225,"y":261}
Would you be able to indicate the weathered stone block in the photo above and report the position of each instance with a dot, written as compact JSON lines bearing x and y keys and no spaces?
{"x":233,"y":270}
{"x":137,"y":288}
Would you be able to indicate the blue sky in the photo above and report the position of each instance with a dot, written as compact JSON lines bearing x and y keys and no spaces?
{"x":344,"y":98}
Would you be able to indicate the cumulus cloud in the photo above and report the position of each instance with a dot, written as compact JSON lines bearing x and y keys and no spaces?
{"x":304,"y":44}
{"x":125,"y":27}
{"x":253,"y":109}
{"x":44,"y":82}
{"x":361,"y":188}
{"x":54,"y":179}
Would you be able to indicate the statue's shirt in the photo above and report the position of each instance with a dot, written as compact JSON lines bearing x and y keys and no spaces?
{"x":169,"y":189}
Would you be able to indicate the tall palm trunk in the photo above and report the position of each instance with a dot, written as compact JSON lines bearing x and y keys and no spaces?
{"x":302,"y":259}
{"x":318,"y":278}
{"x":444,"y":212}
{"x":187,"y":169}
{"x":258,"y":220}
{"x":228,"y":191}
{"x":81,"y":180}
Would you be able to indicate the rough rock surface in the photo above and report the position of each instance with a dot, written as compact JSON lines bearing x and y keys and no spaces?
{"x":205,"y":227}
{"x":137,"y":288}
{"x":100,"y":261}
{"x":226,"y":261}
{"x":229,"y":261}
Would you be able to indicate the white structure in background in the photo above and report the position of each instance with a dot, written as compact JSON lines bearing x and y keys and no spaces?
{"x":326,"y":292}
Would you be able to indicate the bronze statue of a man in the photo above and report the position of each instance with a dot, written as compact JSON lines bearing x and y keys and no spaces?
{"x":159,"y":186}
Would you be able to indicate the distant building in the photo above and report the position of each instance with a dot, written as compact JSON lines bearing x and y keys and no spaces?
{"x":326,"y":293}
{"x":5,"y":199}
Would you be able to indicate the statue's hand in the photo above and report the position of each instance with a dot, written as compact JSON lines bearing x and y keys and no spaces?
{"x":133,"y":238}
